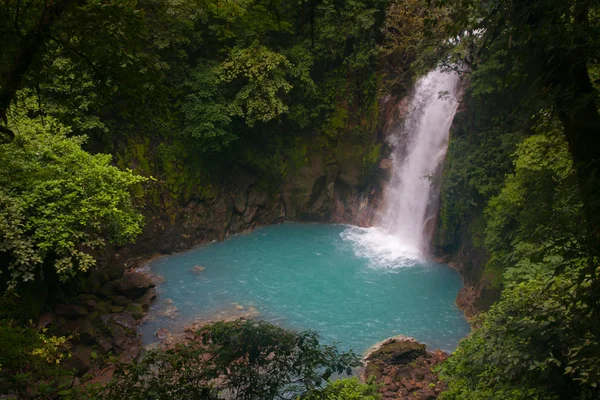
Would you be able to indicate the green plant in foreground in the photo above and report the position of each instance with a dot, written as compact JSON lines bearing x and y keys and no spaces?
{"x":58,"y":202}
{"x":240,"y":359}
{"x":347,"y":389}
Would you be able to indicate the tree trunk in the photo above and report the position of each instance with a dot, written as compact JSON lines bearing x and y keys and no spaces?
{"x":12,"y":82}
{"x":25,"y":54}
{"x":581,"y":121}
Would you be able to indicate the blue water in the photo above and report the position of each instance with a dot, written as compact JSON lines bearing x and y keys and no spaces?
{"x":305,"y":276}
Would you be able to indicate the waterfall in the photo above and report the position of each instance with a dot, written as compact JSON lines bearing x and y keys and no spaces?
{"x":418,"y":150}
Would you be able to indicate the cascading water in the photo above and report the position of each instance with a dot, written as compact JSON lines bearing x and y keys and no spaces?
{"x":419,"y":147}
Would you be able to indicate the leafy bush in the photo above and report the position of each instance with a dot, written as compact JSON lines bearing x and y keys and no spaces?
{"x":346,"y":389}
{"x":537,"y":342}
{"x":30,"y":361}
{"x":240,"y":359}
{"x":58,"y":202}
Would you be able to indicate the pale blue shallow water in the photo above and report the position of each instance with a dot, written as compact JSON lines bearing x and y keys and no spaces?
{"x":305,"y":276}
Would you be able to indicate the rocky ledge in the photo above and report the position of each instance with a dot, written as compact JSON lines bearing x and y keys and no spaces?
{"x":404,"y":369}
{"x":102,"y":321}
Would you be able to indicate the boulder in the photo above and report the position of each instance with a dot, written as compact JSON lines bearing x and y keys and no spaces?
{"x":116,"y":271}
{"x":108,"y":289}
{"x":84,"y":297}
{"x":162,"y":333}
{"x":147,"y":299}
{"x":81,"y":359}
{"x":236,"y":224}
{"x":102,"y":275}
{"x":120,"y":338}
{"x":125,"y":320}
{"x":84,"y":329}
{"x":135,"y":310}
{"x":386,"y":163}
{"x":92,"y":284}
{"x":396,"y":350}
{"x":130,"y":353}
{"x":45,"y":320}
{"x":119,"y":300}
{"x":90,"y":304}
{"x":70,"y":310}
{"x":103,"y":344}
{"x":249,"y":214}
{"x":123,"y":331}
{"x":134,"y":285}
{"x":103,"y":306}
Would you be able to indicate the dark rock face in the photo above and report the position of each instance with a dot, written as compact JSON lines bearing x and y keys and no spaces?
{"x":404,"y":369}
{"x":147,"y":299}
{"x":70,"y":310}
{"x":103,"y":321}
{"x":329,"y":185}
{"x":134,"y":285}
{"x":83,"y":330}
{"x":80,"y":359}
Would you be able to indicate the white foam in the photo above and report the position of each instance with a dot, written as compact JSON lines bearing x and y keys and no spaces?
{"x":380,"y":248}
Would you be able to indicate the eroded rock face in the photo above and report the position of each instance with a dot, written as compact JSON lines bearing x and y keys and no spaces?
{"x":404,"y":369}
{"x":331,"y":191}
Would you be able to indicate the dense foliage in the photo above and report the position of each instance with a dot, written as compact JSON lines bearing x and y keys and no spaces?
{"x":520,"y":188}
{"x":189,"y":90}
{"x":241,"y":360}
{"x":346,"y":389}
{"x":58,"y":202}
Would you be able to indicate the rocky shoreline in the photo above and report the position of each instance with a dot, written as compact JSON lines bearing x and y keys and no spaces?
{"x":101,"y":322}
{"x":404,"y":369}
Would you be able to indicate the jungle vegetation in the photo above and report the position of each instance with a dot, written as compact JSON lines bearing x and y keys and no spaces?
{"x":196,"y":86}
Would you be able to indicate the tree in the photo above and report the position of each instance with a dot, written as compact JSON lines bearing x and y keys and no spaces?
{"x":534,"y":224}
{"x":537,"y":342}
{"x":240,"y":359}
{"x":550,"y":43}
{"x":103,"y":37}
{"x":58,"y":203}
{"x":262,"y":74}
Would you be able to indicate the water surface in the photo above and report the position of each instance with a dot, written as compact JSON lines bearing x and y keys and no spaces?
{"x":311,"y":276}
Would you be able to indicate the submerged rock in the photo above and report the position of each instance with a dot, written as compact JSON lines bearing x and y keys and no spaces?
{"x":198,"y":269}
{"x":169,"y":310}
{"x":162,"y":333}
